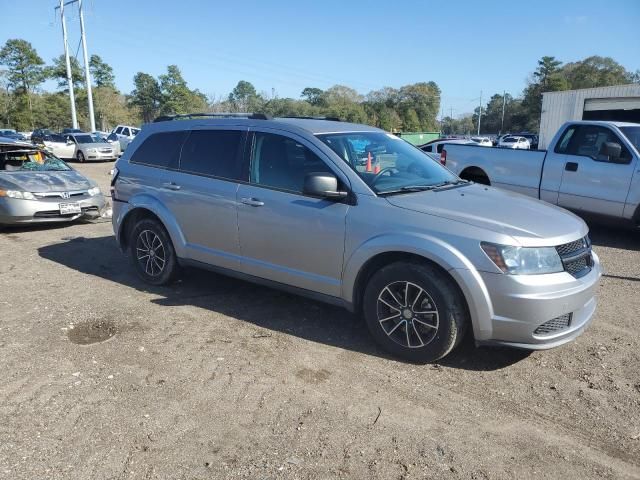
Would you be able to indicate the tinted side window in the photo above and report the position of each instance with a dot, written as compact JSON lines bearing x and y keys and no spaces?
{"x":588,"y":140}
{"x":119,"y":130}
{"x":213,"y":152}
{"x":160,"y":150}
{"x":125,"y":132}
{"x":281,"y":162}
{"x":439,"y":148}
{"x":428,"y":148}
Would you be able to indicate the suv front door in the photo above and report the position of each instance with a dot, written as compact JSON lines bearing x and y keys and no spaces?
{"x":286,"y":236}
{"x":590,"y":182}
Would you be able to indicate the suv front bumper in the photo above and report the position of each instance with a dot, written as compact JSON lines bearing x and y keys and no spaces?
{"x":518,"y":305}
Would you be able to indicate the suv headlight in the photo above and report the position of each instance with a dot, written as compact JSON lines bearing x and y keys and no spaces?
{"x":93,"y":191}
{"x":523,"y":260}
{"x":17,"y":194}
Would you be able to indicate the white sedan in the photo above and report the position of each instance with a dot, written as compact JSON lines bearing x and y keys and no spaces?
{"x":514,"y":142}
{"x":59,"y":146}
{"x":482,"y":141}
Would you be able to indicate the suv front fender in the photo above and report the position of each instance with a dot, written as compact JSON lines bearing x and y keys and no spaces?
{"x":432,"y":249}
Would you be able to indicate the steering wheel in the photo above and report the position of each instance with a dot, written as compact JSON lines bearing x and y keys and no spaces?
{"x":375,"y":179}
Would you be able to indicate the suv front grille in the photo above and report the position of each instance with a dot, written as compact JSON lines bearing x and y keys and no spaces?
{"x":554,"y":325}
{"x":576,"y":257}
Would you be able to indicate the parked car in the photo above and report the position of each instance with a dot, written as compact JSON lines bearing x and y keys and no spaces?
{"x":67,"y":131}
{"x":60,"y":146}
{"x":482,"y":141}
{"x":37,"y":187}
{"x":111,"y":139}
{"x":89,"y":148}
{"x":10,"y":133}
{"x":533,"y":139}
{"x":436,"y":146}
{"x":125,"y":134}
{"x":510,"y":141}
{"x":37,"y":136}
{"x":591,"y":168}
{"x":422,"y":254}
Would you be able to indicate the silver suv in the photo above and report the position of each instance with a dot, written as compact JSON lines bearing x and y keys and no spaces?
{"x":354,"y":216}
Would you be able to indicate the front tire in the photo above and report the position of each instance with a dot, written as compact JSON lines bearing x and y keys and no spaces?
{"x":152,"y":253}
{"x":415,"y":311}
{"x":80,"y":157}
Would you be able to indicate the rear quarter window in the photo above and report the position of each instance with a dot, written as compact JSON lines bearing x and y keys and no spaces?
{"x":160,"y":150}
{"x":215,"y":153}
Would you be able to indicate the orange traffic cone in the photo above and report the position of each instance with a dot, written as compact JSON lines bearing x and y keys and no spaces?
{"x":376,"y":169}
{"x":369,"y":162}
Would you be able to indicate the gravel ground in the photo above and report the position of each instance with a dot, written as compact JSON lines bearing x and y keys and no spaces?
{"x":105,"y":378}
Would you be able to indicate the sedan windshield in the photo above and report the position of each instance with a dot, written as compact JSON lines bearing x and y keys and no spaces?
{"x":633,"y":134}
{"x":84,"y":139}
{"x":31,"y":160}
{"x":387,"y":163}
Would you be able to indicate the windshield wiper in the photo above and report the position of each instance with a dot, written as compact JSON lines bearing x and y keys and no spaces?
{"x":452,"y":184}
{"x":424,"y":188}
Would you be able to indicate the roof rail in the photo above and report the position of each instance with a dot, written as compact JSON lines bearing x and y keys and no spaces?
{"x":303,"y":117}
{"x":185,"y":116}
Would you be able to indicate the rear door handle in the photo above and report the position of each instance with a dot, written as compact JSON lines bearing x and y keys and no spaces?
{"x":571,"y":167}
{"x":254,"y":202}
{"x":171,"y":186}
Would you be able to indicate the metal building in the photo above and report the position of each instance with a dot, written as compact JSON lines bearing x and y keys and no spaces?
{"x":620,"y":102}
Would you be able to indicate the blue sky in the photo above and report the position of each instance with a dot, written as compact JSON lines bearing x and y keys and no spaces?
{"x":286,"y":45}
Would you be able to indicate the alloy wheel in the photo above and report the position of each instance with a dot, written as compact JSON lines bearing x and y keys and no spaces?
{"x":407,"y":314}
{"x":150,"y":253}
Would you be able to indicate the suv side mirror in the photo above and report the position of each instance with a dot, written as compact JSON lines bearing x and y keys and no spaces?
{"x":323,"y":185}
{"x":612,"y":150}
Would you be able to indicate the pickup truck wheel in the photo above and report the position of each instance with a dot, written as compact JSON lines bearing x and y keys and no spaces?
{"x":415,"y":311}
{"x":152,"y":252}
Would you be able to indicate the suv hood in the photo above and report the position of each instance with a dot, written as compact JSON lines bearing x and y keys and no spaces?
{"x":44,"y":181}
{"x":509,"y":213}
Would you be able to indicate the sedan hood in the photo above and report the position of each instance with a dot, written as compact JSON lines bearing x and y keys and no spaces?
{"x":44,"y":181}
{"x":531,"y":222}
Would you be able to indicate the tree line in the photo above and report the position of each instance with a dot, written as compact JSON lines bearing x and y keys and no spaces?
{"x":24,"y":105}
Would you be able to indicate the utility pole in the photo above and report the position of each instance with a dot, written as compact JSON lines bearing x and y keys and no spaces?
{"x":87,"y":74}
{"x":74,"y":118}
{"x":480,"y":115}
{"x":504,"y":101}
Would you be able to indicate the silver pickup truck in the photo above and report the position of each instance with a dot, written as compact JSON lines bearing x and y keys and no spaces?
{"x":590,"y":167}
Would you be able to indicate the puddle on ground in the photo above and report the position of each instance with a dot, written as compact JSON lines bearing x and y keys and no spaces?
{"x":96,"y":331}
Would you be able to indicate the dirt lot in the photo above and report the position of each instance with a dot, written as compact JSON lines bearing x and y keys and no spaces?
{"x":216,"y":378}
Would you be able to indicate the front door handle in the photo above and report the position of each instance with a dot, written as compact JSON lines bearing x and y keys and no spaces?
{"x":171,"y":186}
{"x":253,"y":202}
{"x":571,"y":167}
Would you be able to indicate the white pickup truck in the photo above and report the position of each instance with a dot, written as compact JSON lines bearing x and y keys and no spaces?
{"x":590,"y":167}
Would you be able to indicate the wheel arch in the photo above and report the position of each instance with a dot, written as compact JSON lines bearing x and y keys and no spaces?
{"x":475,"y":174}
{"x":149,"y":207}
{"x":370,"y":258}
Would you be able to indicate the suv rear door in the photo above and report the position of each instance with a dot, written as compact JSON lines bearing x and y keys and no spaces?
{"x":204,"y":199}
{"x":286,"y":236}
{"x":590,"y":182}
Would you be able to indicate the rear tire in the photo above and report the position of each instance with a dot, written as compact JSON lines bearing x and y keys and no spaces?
{"x":152,"y":253}
{"x":415,"y":311}
{"x":80,"y":157}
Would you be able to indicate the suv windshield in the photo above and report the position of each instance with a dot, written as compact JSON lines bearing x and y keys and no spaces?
{"x":387,"y":163}
{"x":31,"y":160}
{"x":633,"y":134}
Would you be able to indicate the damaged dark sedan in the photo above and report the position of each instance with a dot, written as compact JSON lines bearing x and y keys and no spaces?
{"x":38,"y":187}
